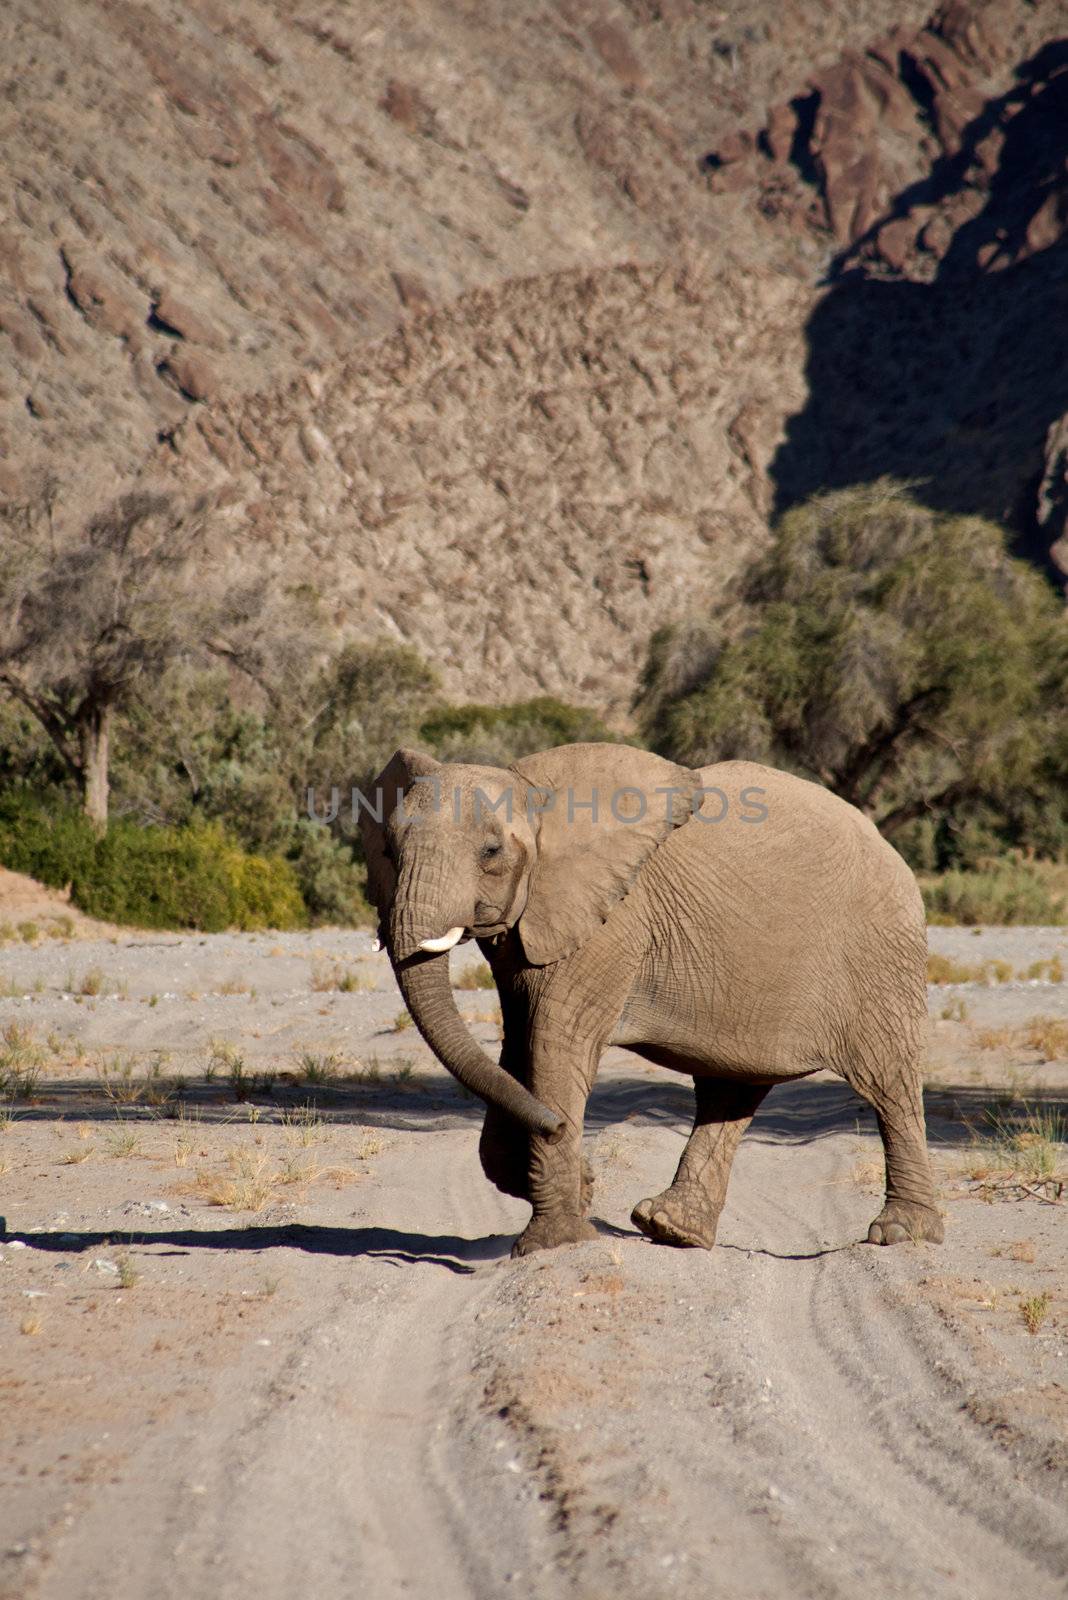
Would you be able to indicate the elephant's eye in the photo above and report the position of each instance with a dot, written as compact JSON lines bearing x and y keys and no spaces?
{"x":490,"y":851}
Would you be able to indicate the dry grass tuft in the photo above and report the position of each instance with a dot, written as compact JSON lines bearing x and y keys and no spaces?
{"x":995,"y":1038}
{"x":74,"y":1157}
{"x":1035,"y":1310}
{"x":124,"y":1142}
{"x":128,"y":1273}
{"x":305,"y":1125}
{"x":327,"y":978}
{"x":1049,"y":1036}
{"x":233,"y":986}
{"x":248,"y":1184}
{"x":942,"y":969}
{"x":1051,"y":971}
{"x":475,"y":976}
{"x":320,"y":1068}
{"x":1019,"y":1155}
{"x":869,"y":1174}
{"x":21,"y":1060}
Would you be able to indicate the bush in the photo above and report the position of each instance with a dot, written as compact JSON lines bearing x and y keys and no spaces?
{"x":896,"y":654}
{"x":188,"y":877}
{"x":332,"y":883}
{"x":1001,"y":892}
{"x":499,"y":735}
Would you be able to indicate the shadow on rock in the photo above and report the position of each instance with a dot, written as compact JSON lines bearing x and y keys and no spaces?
{"x":939,"y":354}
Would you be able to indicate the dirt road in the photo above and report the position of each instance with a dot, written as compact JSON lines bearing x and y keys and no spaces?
{"x":347,"y":1387}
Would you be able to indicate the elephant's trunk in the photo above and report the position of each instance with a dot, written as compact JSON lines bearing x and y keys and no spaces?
{"x":424,"y":983}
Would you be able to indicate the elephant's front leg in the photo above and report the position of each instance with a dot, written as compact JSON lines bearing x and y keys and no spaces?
{"x":504,"y":1151}
{"x":561,"y":1077}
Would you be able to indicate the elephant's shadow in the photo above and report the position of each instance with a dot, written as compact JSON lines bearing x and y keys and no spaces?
{"x":401,"y":1248}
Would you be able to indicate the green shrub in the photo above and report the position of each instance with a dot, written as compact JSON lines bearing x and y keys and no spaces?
{"x":900,"y":656}
{"x":332,"y":883}
{"x":1001,"y":892}
{"x":189,"y":877}
{"x":499,"y":735}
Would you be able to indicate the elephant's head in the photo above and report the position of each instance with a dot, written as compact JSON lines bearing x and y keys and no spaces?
{"x":547,"y":847}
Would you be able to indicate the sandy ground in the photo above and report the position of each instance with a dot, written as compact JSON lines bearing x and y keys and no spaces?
{"x":262,"y":1334}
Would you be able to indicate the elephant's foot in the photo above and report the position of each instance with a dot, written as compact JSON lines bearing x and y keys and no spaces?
{"x":903,"y":1220}
{"x":677,"y":1217}
{"x":546,"y":1232}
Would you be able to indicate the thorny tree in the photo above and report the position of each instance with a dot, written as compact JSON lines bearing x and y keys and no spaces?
{"x":89,"y":617}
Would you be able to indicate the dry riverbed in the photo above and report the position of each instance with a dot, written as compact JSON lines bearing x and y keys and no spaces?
{"x":262,"y":1334}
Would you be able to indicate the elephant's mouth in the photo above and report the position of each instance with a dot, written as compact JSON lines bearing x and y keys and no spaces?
{"x":488,"y":922}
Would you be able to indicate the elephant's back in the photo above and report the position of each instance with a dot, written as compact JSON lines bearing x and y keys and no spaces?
{"x":783,"y":823}
{"x":802,"y":881}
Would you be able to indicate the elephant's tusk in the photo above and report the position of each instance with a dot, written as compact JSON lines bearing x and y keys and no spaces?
{"x":446,"y":941}
{"x":376,"y":945}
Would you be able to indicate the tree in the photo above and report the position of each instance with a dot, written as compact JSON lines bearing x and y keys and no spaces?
{"x":896,"y":654}
{"x":90,"y":617}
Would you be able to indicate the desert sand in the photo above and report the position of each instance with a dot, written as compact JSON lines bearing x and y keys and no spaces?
{"x":262,"y":1333}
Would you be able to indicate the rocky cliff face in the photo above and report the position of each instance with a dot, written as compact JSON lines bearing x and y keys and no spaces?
{"x":935,"y":166}
{"x":202,"y":200}
{"x":525,"y":483}
{"x":508,"y":328}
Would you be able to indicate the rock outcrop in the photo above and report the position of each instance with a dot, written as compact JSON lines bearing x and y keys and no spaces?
{"x":525,"y":483}
{"x":207,"y":199}
{"x":508,"y":330}
{"x":934,"y":166}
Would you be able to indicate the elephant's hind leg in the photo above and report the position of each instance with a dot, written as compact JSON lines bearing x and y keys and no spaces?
{"x":910,"y":1211}
{"x":688,"y":1213}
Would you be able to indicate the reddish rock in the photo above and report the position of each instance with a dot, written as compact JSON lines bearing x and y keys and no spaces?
{"x":780,"y":130}
{"x":21,"y":329}
{"x":617,"y":53}
{"x":412,"y":293}
{"x":12,"y":485}
{"x":1052,"y":504}
{"x":297,"y":165}
{"x":936,"y":236}
{"x":988,"y":151}
{"x":190,"y":374}
{"x":735,"y":147}
{"x":896,"y":242}
{"x":406,"y":105}
{"x":177,"y":316}
{"x":1048,"y":223}
{"x":221,"y":440}
{"x":101,"y":302}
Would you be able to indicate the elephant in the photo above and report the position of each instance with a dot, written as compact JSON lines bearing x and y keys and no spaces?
{"x":736,"y":924}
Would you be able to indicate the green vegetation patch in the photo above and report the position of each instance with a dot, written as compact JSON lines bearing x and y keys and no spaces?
{"x":193,"y":876}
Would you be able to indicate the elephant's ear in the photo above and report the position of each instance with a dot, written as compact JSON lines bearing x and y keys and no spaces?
{"x":587,"y":860}
{"x":376,"y":808}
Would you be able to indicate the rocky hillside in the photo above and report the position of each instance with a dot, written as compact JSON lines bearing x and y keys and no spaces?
{"x":508,"y":328}
{"x":935,"y":166}
{"x":207,"y":198}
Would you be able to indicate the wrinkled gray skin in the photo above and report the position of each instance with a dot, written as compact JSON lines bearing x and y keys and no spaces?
{"x":784,"y":938}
